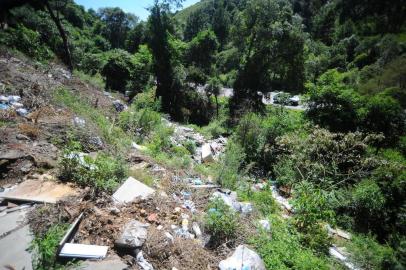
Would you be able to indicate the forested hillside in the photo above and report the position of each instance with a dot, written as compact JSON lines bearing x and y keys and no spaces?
{"x":310,"y":94}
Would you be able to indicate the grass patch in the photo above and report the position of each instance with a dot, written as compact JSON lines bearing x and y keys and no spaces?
{"x":111,"y":133}
{"x":96,"y":80}
{"x":44,"y":248}
{"x":143,"y":176}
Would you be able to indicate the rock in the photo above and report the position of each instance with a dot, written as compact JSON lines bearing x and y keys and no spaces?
{"x":243,"y":258}
{"x":152,"y":218}
{"x":131,"y":189}
{"x":207,"y":154}
{"x":133,"y":236}
{"x":143,"y":263}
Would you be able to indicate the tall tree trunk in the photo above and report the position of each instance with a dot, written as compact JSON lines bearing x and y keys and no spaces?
{"x":63,"y":35}
{"x":217,"y":106}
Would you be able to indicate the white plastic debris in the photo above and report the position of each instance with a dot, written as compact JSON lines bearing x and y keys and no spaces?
{"x":143,"y":263}
{"x":281,"y":200}
{"x":243,"y":258}
{"x":22,"y":112}
{"x":138,"y":147}
{"x":334,"y":252}
{"x":229,"y":199}
{"x":79,"y":122}
{"x":133,"y":235}
{"x":246,"y":207}
{"x":83,"y":251}
{"x":264,"y":223}
{"x":196,"y":229}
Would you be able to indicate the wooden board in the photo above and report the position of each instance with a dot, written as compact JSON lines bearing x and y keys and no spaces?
{"x":40,"y":191}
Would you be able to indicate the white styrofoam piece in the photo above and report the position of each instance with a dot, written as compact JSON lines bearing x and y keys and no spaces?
{"x":83,"y":251}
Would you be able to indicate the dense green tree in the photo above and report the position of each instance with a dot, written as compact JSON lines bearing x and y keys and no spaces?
{"x":383,"y":114}
{"x":117,"y":70}
{"x":221,"y":21}
{"x":196,"y":22}
{"x":135,"y":37}
{"x":272,"y":54}
{"x":117,"y":25}
{"x":160,"y":28}
{"x":201,"y":51}
{"x":332,"y":104}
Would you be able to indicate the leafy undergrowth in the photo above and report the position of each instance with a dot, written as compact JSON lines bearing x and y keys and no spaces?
{"x":281,"y":249}
{"x":44,"y":248}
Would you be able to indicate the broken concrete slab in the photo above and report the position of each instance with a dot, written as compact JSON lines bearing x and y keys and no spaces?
{"x":132,"y":189}
{"x":133,"y":236}
{"x":14,"y":249}
{"x":81,"y":251}
{"x":40,"y":191}
{"x":207,"y":154}
{"x":110,"y":263}
{"x":243,"y":258}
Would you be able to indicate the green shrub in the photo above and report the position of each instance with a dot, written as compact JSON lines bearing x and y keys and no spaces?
{"x":282,"y":250}
{"x":146,"y":100}
{"x":190,"y":146}
{"x":44,"y":248}
{"x":103,"y":174}
{"x":221,"y":222}
{"x":367,"y":253}
{"x":311,"y":209}
{"x":262,"y":200}
{"x":229,"y":167}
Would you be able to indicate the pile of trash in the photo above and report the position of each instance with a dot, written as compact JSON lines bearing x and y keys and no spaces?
{"x":13,"y":103}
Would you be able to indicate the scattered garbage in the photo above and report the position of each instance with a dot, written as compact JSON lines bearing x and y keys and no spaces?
{"x":130,"y":190}
{"x":196,"y":229}
{"x":4,"y":106}
{"x":81,"y":251}
{"x":338,"y":232}
{"x":336,"y":253}
{"x":79,"y":122}
{"x":264,"y":223}
{"x":22,"y":111}
{"x":119,"y":106}
{"x":143,"y":263}
{"x":138,"y":147}
{"x":133,"y":236}
{"x":229,"y":198}
{"x":243,"y":258}
{"x":188,"y":204}
{"x":281,"y":200}
{"x":246,"y":207}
